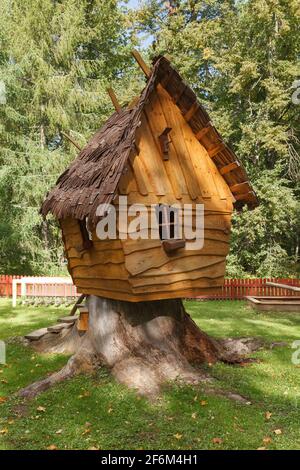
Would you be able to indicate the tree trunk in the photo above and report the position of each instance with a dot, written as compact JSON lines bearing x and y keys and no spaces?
{"x":144,"y":344}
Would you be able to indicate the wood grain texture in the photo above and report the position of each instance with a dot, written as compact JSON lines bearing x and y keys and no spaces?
{"x":149,"y":153}
{"x":140,"y":297}
{"x":140,"y":261}
{"x":176,"y":122}
{"x":210,"y":272}
{"x":201,"y":283}
{"x":158,"y":123}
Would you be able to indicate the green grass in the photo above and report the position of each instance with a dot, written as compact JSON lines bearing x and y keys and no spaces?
{"x":88,"y":412}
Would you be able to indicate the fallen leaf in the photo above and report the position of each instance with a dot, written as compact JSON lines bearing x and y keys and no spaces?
{"x":267,"y":440}
{"x":217,"y":440}
{"x":52,"y":447}
{"x":86,"y":431}
{"x":109,"y":411}
{"x":41,"y":408}
{"x":3,"y":399}
{"x":203,"y":403}
{"x":10,"y":421}
{"x":178,"y":436}
{"x":4,"y":431}
{"x":59,"y":431}
{"x":194,"y":415}
{"x":195,"y":398}
{"x":268,"y":415}
{"x":3,"y":381}
{"x":277,"y":432}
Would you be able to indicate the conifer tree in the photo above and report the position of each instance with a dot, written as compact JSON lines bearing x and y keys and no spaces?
{"x":242,"y":58}
{"x":57,"y":59}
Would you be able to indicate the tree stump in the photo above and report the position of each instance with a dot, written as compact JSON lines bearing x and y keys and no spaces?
{"x":144,"y":344}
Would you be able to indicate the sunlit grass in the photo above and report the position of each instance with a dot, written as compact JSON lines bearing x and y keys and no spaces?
{"x":22,"y":319}
{"x":89,"y":412}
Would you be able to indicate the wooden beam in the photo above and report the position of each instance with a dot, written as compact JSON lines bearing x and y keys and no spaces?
{"x":283,"y":286}
{"x":190,"y":113}
{"x":133,"y":103}
{"x":114,"y":99}
{"x":136,"y":166}
{"x":203,"y":131}
{"x":71,"y":140}
{"x":248,"y":198}
{"x":240,"y":188}
{"x":76,"y":305}
{"x":141,"y":63}
{"x":230,"y":167}
{"x":215,"y":150}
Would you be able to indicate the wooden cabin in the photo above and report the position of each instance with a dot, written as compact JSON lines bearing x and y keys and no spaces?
{"x":161,"y":150}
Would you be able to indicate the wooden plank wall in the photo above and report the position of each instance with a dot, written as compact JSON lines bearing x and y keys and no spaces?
{"x":188,"y":176}
{"x":140,"y":269}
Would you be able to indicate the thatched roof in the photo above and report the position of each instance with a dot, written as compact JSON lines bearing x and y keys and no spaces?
{"x":93,"y":177}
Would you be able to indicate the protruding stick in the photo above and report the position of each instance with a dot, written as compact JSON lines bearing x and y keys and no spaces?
{"x":114,"y":99}
{"x":71,"y":140}
{"x":141,"y":63}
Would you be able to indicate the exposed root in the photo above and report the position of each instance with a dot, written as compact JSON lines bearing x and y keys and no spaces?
{"x":144,"y":344}
{"x":84,"y":361}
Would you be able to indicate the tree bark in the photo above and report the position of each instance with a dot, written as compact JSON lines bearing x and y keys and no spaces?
{"x":144,"y":344}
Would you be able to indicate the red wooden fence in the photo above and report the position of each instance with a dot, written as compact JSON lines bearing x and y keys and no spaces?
{"x":238,"y":289}
{"x":233,"y":289}
{"x":47,"y":289}
{"x":6,"y":285}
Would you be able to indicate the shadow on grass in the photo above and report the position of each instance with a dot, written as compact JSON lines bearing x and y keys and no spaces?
{"x":22,"y":319}
{"x":87,"y":412}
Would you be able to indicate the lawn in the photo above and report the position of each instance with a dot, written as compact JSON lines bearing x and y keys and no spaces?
{"x":96,"y":412}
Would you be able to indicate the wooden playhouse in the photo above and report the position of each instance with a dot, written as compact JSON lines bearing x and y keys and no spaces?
{"x":161,"y":150}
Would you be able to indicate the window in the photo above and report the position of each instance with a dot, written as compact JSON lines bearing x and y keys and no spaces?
{"x":168,"y":222}
{"x":86,"y":235}
{"x":168,"y":225}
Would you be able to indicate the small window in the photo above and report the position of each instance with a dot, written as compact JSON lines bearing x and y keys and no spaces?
{"x":87,"y":241}
{"x":168,"y":222}
{"x":168,"y":225}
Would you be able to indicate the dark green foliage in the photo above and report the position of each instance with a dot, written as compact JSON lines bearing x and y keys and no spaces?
{"x":57,"y":59}
{"x":242,"y":58}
